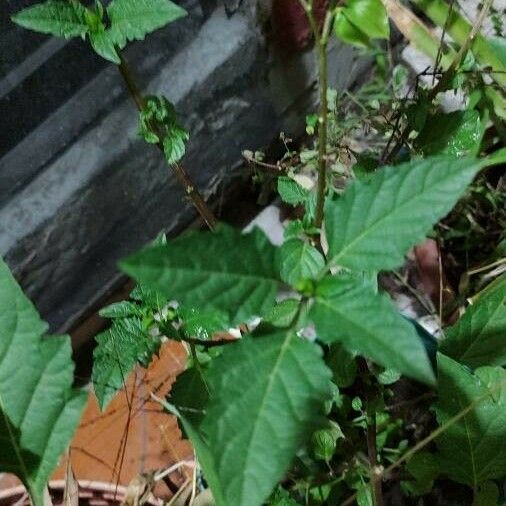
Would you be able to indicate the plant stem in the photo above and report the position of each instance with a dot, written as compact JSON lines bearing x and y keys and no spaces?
{"x":370,"y":394}
{"x":376,"y":472}
{"x":487,"y":267}
{"x":321,"y":42}
{"x":130,"y":83}
{"x":322,"y":133}
{"x":208,"y":344}
{"x":276,"y":170}
{"x":184,"y":179}
{"x":198,"y":365}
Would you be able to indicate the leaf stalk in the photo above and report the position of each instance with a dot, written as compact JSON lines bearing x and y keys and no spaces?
{"x":321,"y":42}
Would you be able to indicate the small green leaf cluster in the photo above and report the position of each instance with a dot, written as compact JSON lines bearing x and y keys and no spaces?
{"x":158,"y":124}
{"x":138,"y":328}
{"x":108,"y":30}
{"x":131,"y":339}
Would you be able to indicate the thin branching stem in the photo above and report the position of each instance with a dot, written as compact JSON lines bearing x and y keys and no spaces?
{"x":433,"y":435}
{"x":208,"y":343}
{"x":321,"y":41}
{"x":184,"y":179}
{"x":322,"y":135}
{"x":449,"y":74}
{"x":372,"y":452}
{"x":370,"y":394}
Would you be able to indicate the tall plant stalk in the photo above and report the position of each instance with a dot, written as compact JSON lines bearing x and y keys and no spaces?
{"x":376,"y":472}
{"x":321,"y":41}
{"x":184,"y":179}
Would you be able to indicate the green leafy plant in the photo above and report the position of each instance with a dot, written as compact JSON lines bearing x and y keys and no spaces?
{"x":342,"y":306}
{"x":107,"y":29}
{"x":303,"y":408}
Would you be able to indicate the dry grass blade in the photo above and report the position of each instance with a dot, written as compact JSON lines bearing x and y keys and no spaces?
{"x":182,"y":494}
{"x":71,"y":490}
{"x":139,"y":490}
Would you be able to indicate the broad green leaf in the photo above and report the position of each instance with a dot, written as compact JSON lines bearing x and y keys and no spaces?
{"x":348,"y":311}
{"x":298,"y":261}
{"x":134,"y":19}
{"x":122,"y":309}
{"x":294,"y":230}
{"x":174,"y":146}
{"x":374,"y":224}
{"x":39,"y":410}
{"x":487,"y":495}
{"x":189,"y":394}
{"x":62,"y":18}
{"x":368,"y":16}
{"x":103,"y":45}
{"x":283,"y":313}
{"x":388,"y":376}
{"x":267,"y":399}
{"x":148,"y":297}
{"x":347,"y":31}
{"x":223,"y":270}
{"x":202,"y":324}
{"x":291,"y":192}
{"x":498,"y":157}
{"x":325,"y":441}
{"x":281,"y":498}
{"x":479,"y":336}
{"x":342,"y":364}
{"x":118,"y":350}
{"x":497,"y":100}
{"x":356,"y":403}
{"x":498,"y":45}
{"x":425,"y":468}
{"x":496,"y":286}
{"x":456,"y":133}
{"x":14,"y":458}
{"x":364,"y":496}
{"x":311,"y":123}
{"x":416,"y":114}
{"x":473,"y":449}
